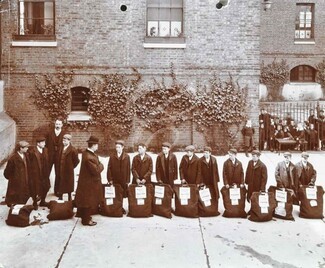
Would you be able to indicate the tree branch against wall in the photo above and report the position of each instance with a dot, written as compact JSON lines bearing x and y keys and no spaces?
{"x":320,"y":75}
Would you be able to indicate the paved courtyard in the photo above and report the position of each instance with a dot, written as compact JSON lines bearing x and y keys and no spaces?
{"x":159,"y":242}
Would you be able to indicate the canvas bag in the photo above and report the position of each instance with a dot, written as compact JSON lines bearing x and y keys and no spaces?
{"x":208,"y":203}
{"x":140,"y":200}
{"x":60,"y":210}
{"x":112,"y":206}
{"x":262,"y":206}
{"x":18,"y":215}
{"x":186,"y":200}
{"x":234,"y":207}
{"x":284,"y":203}
{"x":311,"y":203}
{"x":162,"y":200}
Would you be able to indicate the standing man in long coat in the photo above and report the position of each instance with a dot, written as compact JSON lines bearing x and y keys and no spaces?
{"x":233,"y":172}
{"x":256,"y":175}
{"x":305,"y":174}
{"x":17,"y":176}
{"x":285,"y":174}
{"x":89,"y":193}
{"x":118,"y":169}
{"x":54,"y":140}
{"x":208,"y":171}
{"x":142,"y":166}
{"x":166,"y":165}
{"x":67,"y":162}
{"x":189,"y":167}
{"x":38,"y":172}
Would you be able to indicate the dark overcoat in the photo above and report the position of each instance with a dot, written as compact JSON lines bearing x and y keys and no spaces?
{"x":256,"y":177}
{"x":38,"y":172}
{"x":89,"y":192}
{"x":17,"y":176}
{"x":119,"y":170}
{"x":209,"y":176}
{"x":161,"y":168}
{"x":53,"y":145}
{"x":68,"y":160}
{"x":304,"y":177}
{"x":233,"y":174}
{"x":142,"y":169}
{"x":189,"y":169}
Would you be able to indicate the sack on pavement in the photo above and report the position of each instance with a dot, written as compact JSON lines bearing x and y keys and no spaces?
{"x":60,"y":210}
{"x":234,"y":199}
{"x":19,"y":215}
{"x":112,"y":206}
{"x":208,"y":202}
{"x":262,"y":206}
{"x":284,"y":203}
{"x":186,"y":200}
{"x":140,"y":200}
{"x":311,"y":202}
{"x":162,"y":200}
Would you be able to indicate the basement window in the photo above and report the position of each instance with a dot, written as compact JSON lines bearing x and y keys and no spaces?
{"x":79,"y":104}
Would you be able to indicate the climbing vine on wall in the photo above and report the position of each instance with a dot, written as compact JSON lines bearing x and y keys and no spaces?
{"x":320,"y":75}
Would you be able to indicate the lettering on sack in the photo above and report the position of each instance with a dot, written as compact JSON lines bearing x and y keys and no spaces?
{"x":281,"y":196}
{"x":311,"y":192}
{"x":280,"y":209}
{"x":159,"y":191}
{"x":16,"y":209}
{"x":110,"y":192}
{"x":109,"y":201}
{"x":140,"y":192}
{"x":234,"y":194}
{"x":158,"y":201}
{"x":263,"y":202}
{"x":184,"y":195}
{"x":205,"y":196}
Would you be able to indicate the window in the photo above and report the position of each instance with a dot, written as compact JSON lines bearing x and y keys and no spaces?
{"x":304,"y":22}
{"x":303,"y":73}
{"x":36,"y":19}
{"x":79,"y":104}
{"x":164,"y":18}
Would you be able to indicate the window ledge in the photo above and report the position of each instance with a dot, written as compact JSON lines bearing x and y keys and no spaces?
{"x":164,"y":42}
{"x":79,"y":116}
{"x":34,"y":43}
{"x":304,"y":42}
{"x":155,"y":45}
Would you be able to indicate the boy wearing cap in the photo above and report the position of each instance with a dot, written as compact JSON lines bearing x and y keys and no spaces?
{"x":248,"y":132}
{"x":233,"y":172}
{"x":189,"y":166}
{"x":118,"y":169}
{"x":67,"y":162}
{"x":208,"y":170}
{"x":256,"y":175}
{"x":17,"y":176}
{"x":166,"y":165}
{"x":284,"y":173}
{"x":142,"y":166}
{"x":305,"y":172}
{"x":38,"y":172}
{"x":89,"y":193}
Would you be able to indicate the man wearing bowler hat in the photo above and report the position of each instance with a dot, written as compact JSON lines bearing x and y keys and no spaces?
{"x":118,"y":169}
{"x":89,"y":193}
{"x":166,"y":165}
{"x":17,"y":176}
{"x":256,"y":174}
{"x":233,"y":172}
{"x":38,"y":171}
{"x":305,"y":172}
{"x":189,"y":166}
{"x":142,"y":166}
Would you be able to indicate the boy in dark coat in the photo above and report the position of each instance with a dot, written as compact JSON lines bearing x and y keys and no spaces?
{"x":89,"y":193}
{"x":166,"y":165}
{"x":248,"y":132}
{"x":67,"y":162}
{"x":17,"y":176}
{"x":118,"y":169}
{"x":189,"y":166}
{"x":142,"y":166}
{"x":312,"y":137}
{"x":38,"y":172}
{"x":233,"y":172}
{"x":256,"y":175}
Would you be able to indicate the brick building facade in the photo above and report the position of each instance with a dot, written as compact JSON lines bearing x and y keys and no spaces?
{"x":93,"y":38}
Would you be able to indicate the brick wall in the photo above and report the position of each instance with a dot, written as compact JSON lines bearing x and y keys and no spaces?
{"x":95,"y":37}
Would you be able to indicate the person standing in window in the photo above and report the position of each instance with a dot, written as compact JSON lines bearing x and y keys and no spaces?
{"x":118,"y":169}
{"x":89,"y":194}
{"x":17,"y":176}
{"x":233,"y":172}
{"x":189,"y":167}
{"x":67,"y":162}
{"x":166,"y":165}
{"x":142,"y":166}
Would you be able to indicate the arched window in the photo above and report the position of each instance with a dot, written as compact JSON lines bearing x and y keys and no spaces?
{"x":79,"y":100}
{"x":303,"y":73}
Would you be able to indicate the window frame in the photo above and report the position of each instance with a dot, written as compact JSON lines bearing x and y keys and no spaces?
{"x":298,"y":29}
{"x":76,"y":114}
{"x":295,"y":74}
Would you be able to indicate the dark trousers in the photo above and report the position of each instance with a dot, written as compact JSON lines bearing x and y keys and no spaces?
{"x":85,"y":215}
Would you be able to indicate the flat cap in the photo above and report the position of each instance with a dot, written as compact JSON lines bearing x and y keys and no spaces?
{"x":304,"y":155}
{"x":23,"y":144}
{"x":67,"y":137}
{"x":287,"y":154}
{"x":40,"y":139}
{"x":256,"y":152}
{"x":166,"y":144}
{"x":207,"y":149}
{"x":190,"y":148}
{"x":93,"y":140}
{"x":142,"y":144}
{"x":121,"y":142}
{"x":232,"y":151}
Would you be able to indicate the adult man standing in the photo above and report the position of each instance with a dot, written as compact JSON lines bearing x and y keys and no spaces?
{"x":67,"y":162}
{"x":54,"y":140}
{"x":233,"y":172}
{"x":208,"y":170}
{"x":142,"y":166}
{"x":118,"y":169}
{"x":166,"y":165}
{"x":89,"y":193}
{"x":284,"y":173}
{"x":38,"y":172}
{"x":17,"y":176}
{"x":256,"y":174}
{"x":305,"y":172}
{"x":189,"y":166}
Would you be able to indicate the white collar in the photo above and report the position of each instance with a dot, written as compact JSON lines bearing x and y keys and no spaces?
{"x":90,"y":150}
{"x":21,"y":154}
{"x":39,"y":149}
{"x":57,"y":132}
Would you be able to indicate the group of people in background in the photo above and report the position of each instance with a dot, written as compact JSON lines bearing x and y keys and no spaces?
{"x":308,"y":135}
{"x":28,"y":171}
